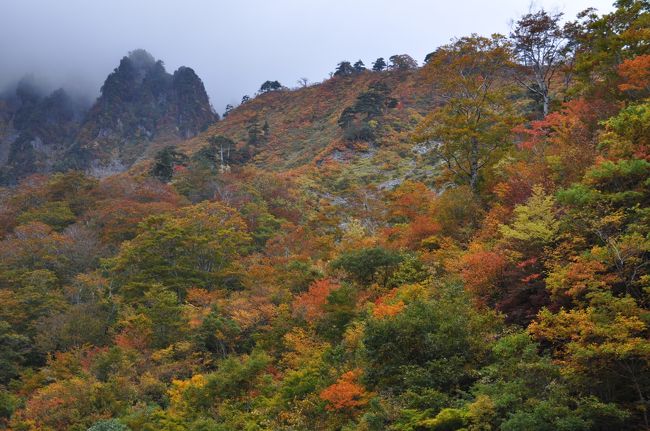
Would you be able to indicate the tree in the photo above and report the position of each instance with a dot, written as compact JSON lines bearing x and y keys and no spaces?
{"x":604,"y":42}
{"x":228,"y":110}
{"x":344,"y":68}
{"x":379,"y":65}
{"x":310,"y":305}
{"x":346,"y":394}
{"x":221,"y":150}
{"x":268,"y":86}
{"x":635,"y":73}
{"x":55,"y":214}
{"x":402,"y":62}
{"x":469,"y":131}
{"x":603,"y":347}
{"x":162,"y":309}
{"x":432,"y":343}
{"x":13,"y":351}
{"x":539,"y":45}
{"x":535,"y":223}
{"x":369,"y":264}
{"x":165,"y":162}
{"x":339,"y":311}
{"x":196,"y":246}
{"x":522,"y":389}
{"x":217,"y":335}
{"x":255,"y":136}
{"x":303,"y":82}
{"x":371,"y":103}
{"x":359,"y":66}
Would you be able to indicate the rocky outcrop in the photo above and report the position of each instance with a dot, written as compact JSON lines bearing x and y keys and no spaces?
{"x":36,"y":130}
{"x":140,"y":105}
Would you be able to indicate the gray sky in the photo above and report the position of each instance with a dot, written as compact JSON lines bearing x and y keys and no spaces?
{"x":234,"y":46}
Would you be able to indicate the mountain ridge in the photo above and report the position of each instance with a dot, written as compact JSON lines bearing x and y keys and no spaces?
{"x":140,"y":103}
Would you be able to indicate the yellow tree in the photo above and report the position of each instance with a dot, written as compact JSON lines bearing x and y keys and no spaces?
{"x":468,"y":131}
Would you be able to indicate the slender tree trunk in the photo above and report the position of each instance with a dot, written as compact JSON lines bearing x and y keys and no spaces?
{"x":473,"y":166}
{"x":546,"y":102}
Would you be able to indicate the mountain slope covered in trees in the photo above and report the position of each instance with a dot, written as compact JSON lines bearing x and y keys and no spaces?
{"x":458,"y":246}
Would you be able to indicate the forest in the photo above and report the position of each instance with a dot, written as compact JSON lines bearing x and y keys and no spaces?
{"x":458,"y":245}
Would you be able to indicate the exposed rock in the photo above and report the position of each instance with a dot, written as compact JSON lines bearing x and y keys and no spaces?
{"x":140,"y":103}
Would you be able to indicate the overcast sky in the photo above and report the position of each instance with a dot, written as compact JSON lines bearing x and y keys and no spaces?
{"x":236,"y":45}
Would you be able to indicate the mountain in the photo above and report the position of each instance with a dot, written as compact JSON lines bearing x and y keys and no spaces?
{"x":35,"y":129}
{"x":335,"y":135}
{"x":140,"y":104}
{"x":402,"y":249}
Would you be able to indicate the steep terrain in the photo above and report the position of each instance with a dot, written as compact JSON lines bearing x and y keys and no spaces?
{"x":140,"y":105}
{"x":352,"y":255}
{"x":35,"y":130}
{"x":332,"y":137}
{"x":303,"y":126}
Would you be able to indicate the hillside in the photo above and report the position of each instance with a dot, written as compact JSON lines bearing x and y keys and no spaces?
{"x":458,"y":246}
{"x":303,"y":123}
{"x":298,"y":133}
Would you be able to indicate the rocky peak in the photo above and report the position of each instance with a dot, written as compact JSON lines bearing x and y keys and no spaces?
{"x":140,"y":103}
{"x":193,"y":111}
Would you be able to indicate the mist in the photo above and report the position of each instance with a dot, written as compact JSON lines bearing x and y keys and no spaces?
{"x":235,"y":46}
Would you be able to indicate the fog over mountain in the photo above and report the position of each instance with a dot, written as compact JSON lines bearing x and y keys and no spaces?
{"x":235,"y":46}
{"x":326,"y":215}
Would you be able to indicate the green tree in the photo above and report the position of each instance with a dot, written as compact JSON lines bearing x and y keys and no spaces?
{"x":379,"y":65}
{"x":165,"y":314}
{"x":368,"y":265}
{"x":165,"y":161}
{"x":13,"y":351}
{"x":523,"y":390}
{"x":268,"y":86}
{"x":196,"y":246}
{"x":436,"y":343}
{"x":339,"y":311}
{"x":603,"y":42}
{"x":344,"y":68}
{"x":55,"y":214}
{"x":402,"y":62}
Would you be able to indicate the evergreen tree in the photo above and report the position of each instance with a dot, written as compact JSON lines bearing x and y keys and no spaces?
{"x":402,"y":62}
{"x":268,"y":86}
{"x":379,"y":65}
{"x":165,"y":162}
{"x":344,"y":68}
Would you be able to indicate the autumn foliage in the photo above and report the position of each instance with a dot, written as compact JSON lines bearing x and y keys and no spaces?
{"x":476,"y":265}
{"x":346,"y":394}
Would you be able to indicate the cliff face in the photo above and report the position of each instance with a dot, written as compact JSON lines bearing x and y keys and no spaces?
{"x":140,"y":106}
{"x":190,"y":107}
{"x":35,"y":130}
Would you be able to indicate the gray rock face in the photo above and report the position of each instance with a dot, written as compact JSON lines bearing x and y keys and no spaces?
{"x":139,"y":104}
